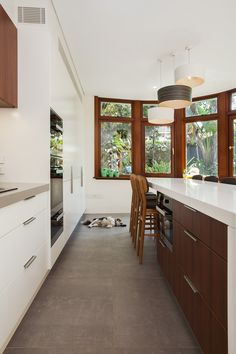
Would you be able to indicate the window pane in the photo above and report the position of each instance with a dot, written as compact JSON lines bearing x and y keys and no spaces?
{"x":116,"y":109}
{"x":146,"y":107}
{"x":158,"y":149}
{"x":202,"y":108}
{"x":201,"y":148}
{"x":234,"y":162}
{"x":116,"y":148}
{"x":233,"y":101}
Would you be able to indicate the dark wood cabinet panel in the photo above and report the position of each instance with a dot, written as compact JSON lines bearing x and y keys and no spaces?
{"x":210,"y":231}
{"x":8,"y":61}
{"x":165,"y":259}
{"x":197,"y":272}
{"x":205,"y":268}
{"x":209,"y":332}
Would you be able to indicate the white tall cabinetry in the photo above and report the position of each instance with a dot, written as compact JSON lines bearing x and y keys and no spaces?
{"x":67,"y":104}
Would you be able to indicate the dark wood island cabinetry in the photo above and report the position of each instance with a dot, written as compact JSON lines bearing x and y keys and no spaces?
{"x":196,"y":268}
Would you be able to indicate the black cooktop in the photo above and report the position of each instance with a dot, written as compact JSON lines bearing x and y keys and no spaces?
{"x":3,"y":190}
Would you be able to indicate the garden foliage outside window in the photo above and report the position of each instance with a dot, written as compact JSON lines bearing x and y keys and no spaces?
{"x":202,"y":138}
{"x":115,"y":130}
{"x":116,"y":146}
{"x":158,"y":149}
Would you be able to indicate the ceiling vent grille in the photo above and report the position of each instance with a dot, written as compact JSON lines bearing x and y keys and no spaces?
{"x":31,"y":15}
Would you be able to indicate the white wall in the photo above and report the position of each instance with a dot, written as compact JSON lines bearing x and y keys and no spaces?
{"x":102,"y":196}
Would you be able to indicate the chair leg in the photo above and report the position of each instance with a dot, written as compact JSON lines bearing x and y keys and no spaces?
{"x":141,"y":232}
{"x":141,"y":248}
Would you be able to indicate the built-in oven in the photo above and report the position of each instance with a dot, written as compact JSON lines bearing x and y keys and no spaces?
{"x":165,"y":219}
{"x":56,"y":180}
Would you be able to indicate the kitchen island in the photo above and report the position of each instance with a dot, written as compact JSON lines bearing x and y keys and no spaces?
{"x":204,"y":215}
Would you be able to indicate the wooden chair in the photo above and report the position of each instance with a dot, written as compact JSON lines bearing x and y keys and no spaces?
{"x":211,"y":179}
{"x":199,"y":177}
{"x":134,"y":206}
{"x":228,"y":180}
{"x":147,"y":218}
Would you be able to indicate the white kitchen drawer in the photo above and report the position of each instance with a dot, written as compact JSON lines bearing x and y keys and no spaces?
{"x":15,"y":299}
{"x":15,"y":214}
{"x":18,"y":246}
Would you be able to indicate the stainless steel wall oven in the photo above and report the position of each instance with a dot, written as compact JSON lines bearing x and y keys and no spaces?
{"x":56,"y":171}
{"x":165,"y":219}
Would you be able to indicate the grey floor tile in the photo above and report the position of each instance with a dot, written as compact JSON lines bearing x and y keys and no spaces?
{"x":98,"y":300}
{"x":83,"y":289}
{"x":181,"y":351}
{"x":62,"y":336}
{"x":147,"y":350}
{"x":145,"y":271}
{"x":70,"y":312}
{"x":66,"y":350}
{"x":82,"y":269}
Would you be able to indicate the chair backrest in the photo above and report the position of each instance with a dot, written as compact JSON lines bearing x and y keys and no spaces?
{"x":228,"y":180}
{"x":134,"y":185}
{"x":132,"y":181}
{"x":211,"y":179}
{"x":142,"y":187}
{"x":199,"y":177}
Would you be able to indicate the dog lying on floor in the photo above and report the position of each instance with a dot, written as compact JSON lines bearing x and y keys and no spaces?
{"x":104,"y":221}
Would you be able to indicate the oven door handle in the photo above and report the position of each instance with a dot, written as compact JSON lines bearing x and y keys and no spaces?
{"x":162,"y":212}
{"x":60,"y":216}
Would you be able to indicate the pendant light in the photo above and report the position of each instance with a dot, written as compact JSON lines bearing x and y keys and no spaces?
{"x":175,"y":96}
{"x":160,"y":115}
{"x":189,"y":74}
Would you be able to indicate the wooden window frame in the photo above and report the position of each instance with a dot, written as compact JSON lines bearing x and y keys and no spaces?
{"x":145,"y":123}
{"x":204,"y":116}
{"x":138,"y":123}
{"x":97,"y":133}
{"x":222,"y":133}
{"x":224,"y":117}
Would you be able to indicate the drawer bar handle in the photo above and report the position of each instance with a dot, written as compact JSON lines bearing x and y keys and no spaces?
{"x":188,"y":281}
{"x":190,"y":236}
{"x":29,"y":262}
{"x":30,"y":220}
{"x":188,"y":207}
{"x":30,"y":197}
{"x":162,"y":243}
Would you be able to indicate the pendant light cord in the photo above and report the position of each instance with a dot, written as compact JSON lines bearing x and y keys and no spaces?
{"x":188,"y":53}
{"x":160,"y":63}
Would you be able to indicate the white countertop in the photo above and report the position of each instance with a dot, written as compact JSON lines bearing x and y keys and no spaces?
{"x":217,"y":200}
{"x":24,"y":190}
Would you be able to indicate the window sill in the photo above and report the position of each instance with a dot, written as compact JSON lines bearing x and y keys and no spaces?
{"x":112,"y":178}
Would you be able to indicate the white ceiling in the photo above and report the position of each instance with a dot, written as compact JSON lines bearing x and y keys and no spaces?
{"x":115,"y":44}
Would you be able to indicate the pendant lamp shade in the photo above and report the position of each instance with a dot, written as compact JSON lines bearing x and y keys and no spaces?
{"x":160,"y":115}
{"x":175,"y":96}
{"x":189,"y":74}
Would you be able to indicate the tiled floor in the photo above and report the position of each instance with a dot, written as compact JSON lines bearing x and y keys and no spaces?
{"x":98,"y":300}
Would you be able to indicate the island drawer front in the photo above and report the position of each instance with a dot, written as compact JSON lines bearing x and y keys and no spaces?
{"x":209,"y":332}
{"x":205,"y":268}
{"x":210,"y":231}
{"x":19,"y":246}
{"x":14,"y":215}
{"x":165,"y":259}
{"x":15,"y":299}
